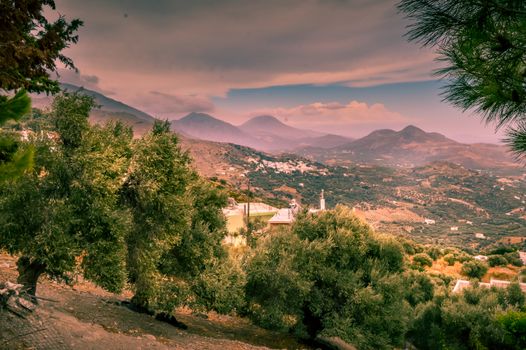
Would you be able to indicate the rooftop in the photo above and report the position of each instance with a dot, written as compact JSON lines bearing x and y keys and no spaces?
{"x":283,"y":216}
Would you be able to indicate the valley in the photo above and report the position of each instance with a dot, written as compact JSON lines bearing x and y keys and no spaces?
{"x":393,"y":179}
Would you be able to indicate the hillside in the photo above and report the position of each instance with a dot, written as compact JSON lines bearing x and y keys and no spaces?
{"x":109,"y":109}
{"x":412,"y":147}
{"x":397,"y":200}
{"x":362,"y":174}
{"x":325,"y":141}
{"x":86,"y":317}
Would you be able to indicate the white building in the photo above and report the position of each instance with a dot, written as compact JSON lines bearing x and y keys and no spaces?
{"x":481,"y":257}
{"x":284,"y":216}
{"x":480,"y":236}
{"x":454,"y":228}
{"x":462,"y":284}
{"x":429,"y":221}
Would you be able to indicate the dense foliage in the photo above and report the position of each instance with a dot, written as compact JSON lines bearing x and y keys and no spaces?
{"x":475,"y":319}
{"x":118,"y":211}
{"x":483,"y":47}
{"x":31,"y":46}
{"x":177,"y":225}
{"x":331,"y":276}
{"x":67,"y":206}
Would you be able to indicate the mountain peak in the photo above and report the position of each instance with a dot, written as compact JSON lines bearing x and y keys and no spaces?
{"x":412,"y":130}
{"x":194,"y":116}
{"x":263,"y":120}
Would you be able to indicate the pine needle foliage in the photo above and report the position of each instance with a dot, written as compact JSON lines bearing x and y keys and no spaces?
{"x":482,"y":48}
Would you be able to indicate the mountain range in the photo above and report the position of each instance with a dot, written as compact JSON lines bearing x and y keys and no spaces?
{"x":409,"y":147}
{"x":412,"y":147}
{"x":264,"y":133}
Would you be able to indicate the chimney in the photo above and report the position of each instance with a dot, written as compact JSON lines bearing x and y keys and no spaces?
{"x":322,"y":200}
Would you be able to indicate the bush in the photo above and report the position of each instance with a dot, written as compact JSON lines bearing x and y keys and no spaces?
{"x":497,"y":260}
{"x":513,"y":258}
{"x":464,"y":257}
{"x":450,"y":259}
{"x":474,"y":269}
{"x":422,"y":259}
{"x":514,"y":325}
{"x":434,"y":252}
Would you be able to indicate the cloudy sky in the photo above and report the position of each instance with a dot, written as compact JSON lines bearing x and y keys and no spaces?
{"x":340,"y":66}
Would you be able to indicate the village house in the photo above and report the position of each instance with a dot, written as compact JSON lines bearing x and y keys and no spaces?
{"x":454,"y":228}
{"x":286,"y":216}
{"x":429,"y":221}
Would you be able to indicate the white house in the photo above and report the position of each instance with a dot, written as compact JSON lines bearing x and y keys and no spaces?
{"x":481,"y":257}
{"x":284,"y":216}
{"x":479,"y":235}
{"x":454,"y":228}
{"x":429,"y":221}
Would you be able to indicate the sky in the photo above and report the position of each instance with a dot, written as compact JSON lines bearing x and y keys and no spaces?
{"x":337,"y":66}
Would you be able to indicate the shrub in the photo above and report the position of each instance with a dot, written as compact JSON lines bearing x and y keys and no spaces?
{"x":513,"y":258}
{"x":474,"y":269}
{"x":450,"y":259}
{"x":497,"y":260}
{"x":422,"y":259}
{"x":434,"y":252}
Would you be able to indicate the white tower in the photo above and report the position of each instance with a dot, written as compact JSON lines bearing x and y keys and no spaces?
{"x":322,"y":200}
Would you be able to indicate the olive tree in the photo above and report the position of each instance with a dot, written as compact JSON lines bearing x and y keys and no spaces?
{"x":63,"y":215}
{"x":330,"y":275}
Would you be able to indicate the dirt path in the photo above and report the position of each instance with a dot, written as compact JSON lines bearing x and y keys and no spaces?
{"x":86,"y":317}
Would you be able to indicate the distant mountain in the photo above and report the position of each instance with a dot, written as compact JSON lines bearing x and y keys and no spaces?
{"x":412,"y":147}
{"x":266,"y":125}
{"x":110,"y":105}
{"x":324,"y":142}
{"x":264,"y":133}
{"x":389,"y":143}
{"x":109,"y":109}
{"x":205,"y":127}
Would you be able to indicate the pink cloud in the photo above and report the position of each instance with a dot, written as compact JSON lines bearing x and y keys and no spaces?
{"x":335,"y":113}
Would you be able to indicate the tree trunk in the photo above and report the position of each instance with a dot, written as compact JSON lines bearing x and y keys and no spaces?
{"x":28,"y":273}
{"x":141,"y":304}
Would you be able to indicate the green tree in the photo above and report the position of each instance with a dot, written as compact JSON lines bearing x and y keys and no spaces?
{"x":331,"y":276}
{"x":421,"y":260}
{"x":30,"y":46}
{"x":483,"y":47}
{"x":476,"y":318}
{"x":497,"y":260}
{"x":177,"y":225}
{"x":474,"y":269}
{"x":63,"y":215}
{"x":514,"y":324}
{"x":15,"y":158}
